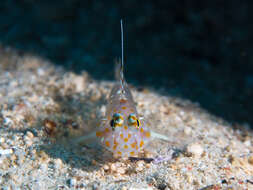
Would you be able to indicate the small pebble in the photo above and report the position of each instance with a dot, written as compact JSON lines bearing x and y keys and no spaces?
{"x":6,"y":151}
{"x":2,"y":140}
{"x":58,"y":163}
{"x":7,"y":121}
{"x":41,"y":72}
{"x":187,"y":130}
{"x":50,"y":127}
{"x":94,"y":162}
{"x":29,"y":134}
{"x":1,"y":160}
{"x":140,"y":188}
{"x":28,"y":142}
{"x":95,"y":96}
{"x":15,"y":138}
{"x":118,"y":168}
{"x":121,"y":170}
{"x":72,"y":182}
{"x":43,"y":156}
{"x":148,"y":165}
{"x":10,"y":142}
{"x":139,"y":165}
{"x":247,"y":143}
{"x":106,"y":167}
{"x":4,"y":145}
{"x":44,"y":167}
{"x":195,"y":149}
{"x":79,"y":83}
{"x":113,"y":167}
{"x":250,"y":160}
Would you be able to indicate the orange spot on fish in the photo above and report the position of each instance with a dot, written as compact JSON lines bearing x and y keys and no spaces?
{"x":107,"y":143}
{"x":147,"y":134}
{"x":141,"y":143}
{"x":129,"y":135}
{"x":107,"y":130}
{"x":133,"y":145}
{"x":99,"y":134}
{"x":119,"y":152}
{"x":121,"y":135}
{"x":142,"y":130}
{"x":132,"y":153}
{"x":125,"y":127}
{"x":115,"y":142}
{"x":122,"y":101}
{"x":114,"y":147}
{"x":125,"y":139}
{"x":125,"y":146}
{"x":123,"y":107}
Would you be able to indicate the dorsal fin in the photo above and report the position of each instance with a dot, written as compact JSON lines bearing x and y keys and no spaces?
{"x":122,"y":51}
{"x":119,"y":70}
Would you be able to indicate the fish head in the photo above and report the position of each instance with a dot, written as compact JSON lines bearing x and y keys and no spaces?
{"x":123,"y":132}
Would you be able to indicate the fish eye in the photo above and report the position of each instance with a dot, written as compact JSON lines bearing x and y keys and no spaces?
{"x":133,"y":121}
{"x":138,"y":123}
{"x":112,"y":124}
{"x":117,"y":121}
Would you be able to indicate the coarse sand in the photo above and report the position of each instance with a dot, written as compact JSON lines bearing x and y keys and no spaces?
{"x":44,"y":108}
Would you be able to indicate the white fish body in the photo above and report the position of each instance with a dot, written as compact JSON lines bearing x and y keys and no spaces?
{"x":122,"y":132}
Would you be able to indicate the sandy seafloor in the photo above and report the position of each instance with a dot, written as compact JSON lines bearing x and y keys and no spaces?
{"x":44,"y":108}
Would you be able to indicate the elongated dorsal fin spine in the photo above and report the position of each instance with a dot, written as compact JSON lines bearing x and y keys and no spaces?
{"x":122,"y":54}
{"x":119,"y":69}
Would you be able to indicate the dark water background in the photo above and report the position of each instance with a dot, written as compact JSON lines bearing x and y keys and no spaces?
{"x":195,"y":49}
